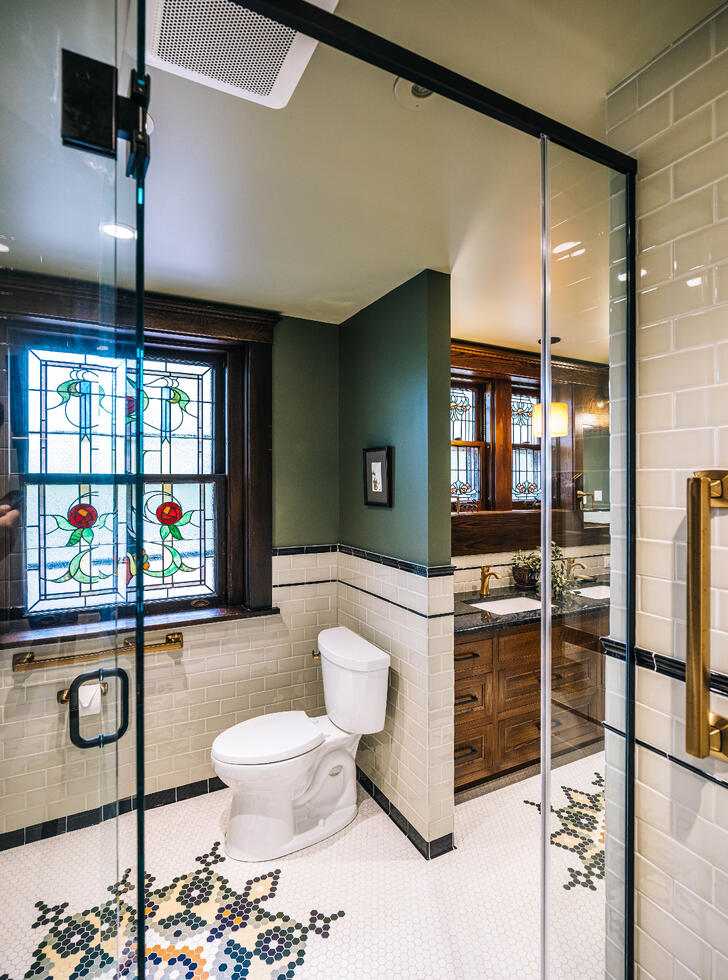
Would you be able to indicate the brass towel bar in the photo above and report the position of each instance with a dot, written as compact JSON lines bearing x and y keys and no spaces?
{"x":27,"y":661}
{"x":706,"y":733}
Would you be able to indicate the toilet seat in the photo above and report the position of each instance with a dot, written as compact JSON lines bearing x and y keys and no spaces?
{"x":268,"y":738}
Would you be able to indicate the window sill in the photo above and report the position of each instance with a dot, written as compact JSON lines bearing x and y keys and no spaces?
{"x":18,"y":637}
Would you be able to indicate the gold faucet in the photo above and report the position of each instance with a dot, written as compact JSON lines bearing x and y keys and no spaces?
{"x":571,"y":565}
{"x":485,"y":576}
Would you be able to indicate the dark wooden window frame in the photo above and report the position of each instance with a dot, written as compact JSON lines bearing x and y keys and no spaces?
{"x":239,"y":337}
{"x":503,"y":526}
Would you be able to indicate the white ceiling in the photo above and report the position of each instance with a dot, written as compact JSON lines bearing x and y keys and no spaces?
{"x":319,"y":208}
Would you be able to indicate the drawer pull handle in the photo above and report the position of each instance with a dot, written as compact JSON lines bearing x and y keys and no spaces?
{"x":466,"y":751}
{"x":466,"y":699}
{"x":470,"y":655}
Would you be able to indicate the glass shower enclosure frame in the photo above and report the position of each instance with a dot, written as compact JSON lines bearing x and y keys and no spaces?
{"x":374,"y":50}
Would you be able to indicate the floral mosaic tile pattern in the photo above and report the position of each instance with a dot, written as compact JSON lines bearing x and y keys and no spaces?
{"x":580,"y":831}
{"x":198,"y":926}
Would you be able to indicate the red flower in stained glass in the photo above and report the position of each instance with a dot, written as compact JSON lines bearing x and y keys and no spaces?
{"x":82,"y":515}
{"x":130,"y":405}
{"x":169,"y":512}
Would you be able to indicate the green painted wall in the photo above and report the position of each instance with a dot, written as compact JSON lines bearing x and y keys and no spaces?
{"x":305,"y":433}
{"x":394,"y":370}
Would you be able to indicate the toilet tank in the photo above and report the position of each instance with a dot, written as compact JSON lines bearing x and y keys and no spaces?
{"x":355,"y":674}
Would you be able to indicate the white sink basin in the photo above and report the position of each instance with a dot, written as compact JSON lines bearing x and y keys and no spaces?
{"x":595,"y":592}
{"x":501,"y":607}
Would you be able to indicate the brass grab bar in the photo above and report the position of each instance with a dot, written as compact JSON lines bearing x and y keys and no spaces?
{"x":23,"y":662}
{"x":706,"y":733}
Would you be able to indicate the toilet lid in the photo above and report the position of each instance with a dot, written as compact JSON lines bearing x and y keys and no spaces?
{"x":268,"y":738}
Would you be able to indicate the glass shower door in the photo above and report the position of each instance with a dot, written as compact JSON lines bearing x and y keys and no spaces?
{"x":585,"y":507}
{"x":69,"y":621}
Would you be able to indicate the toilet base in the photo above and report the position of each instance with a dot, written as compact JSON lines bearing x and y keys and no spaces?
{"x":241,"y":846}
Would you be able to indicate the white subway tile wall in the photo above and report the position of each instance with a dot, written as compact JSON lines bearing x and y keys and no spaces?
{"x":673,"y":117}
{"x":596,"y":560}
{"x":411,"y":761}
{"x":231,"y":671}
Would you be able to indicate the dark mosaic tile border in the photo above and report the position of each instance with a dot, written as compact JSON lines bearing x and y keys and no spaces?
{"x":426,"y":571}
{"x":668,"y":666}
{"x":89,"y":818}
{"x":428,"y":849}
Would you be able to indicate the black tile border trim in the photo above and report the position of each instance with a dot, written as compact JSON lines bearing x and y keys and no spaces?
{"x":426,"y":571}
{"x":428,"y":849}
{"x":681,"y":762}
{"x":391,"y":602}
{"x":89,"y":818}
{"x":668,"y":666}
{"x":306,"y":549}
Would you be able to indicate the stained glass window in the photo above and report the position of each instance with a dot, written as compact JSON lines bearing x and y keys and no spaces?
{"x":79,"y":418}
{"x":467,"y":446}
{"x":526,"y":456}
{"x":462,"y":414}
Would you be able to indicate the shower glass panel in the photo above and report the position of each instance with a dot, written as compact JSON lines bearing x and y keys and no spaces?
{"x":584,"y":684}
{"x":68,"y":401}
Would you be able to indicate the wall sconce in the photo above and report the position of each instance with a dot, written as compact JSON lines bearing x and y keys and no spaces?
{"x":558,"y":420}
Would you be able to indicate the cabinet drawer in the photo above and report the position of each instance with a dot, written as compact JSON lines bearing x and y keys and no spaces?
{"x":474,"y":698}
{"x":473,"y":657}
{"x":573,"y":727}
{"x":519,"y":740}
{"x":520,"y":647}
{"x":474,"y":757}
{"x":517,"y":687}
{"x":575,"y":674}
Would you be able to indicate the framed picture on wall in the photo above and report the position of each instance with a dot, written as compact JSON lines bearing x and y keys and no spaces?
{"x":378,"y":477}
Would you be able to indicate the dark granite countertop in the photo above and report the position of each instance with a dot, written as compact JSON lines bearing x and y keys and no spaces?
{"x":469,"y":619}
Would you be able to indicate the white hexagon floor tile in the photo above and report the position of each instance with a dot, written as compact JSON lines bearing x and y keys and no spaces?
{"x":363,"y":905}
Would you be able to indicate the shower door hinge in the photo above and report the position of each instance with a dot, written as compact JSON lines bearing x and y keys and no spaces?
{"x":94,"y":116}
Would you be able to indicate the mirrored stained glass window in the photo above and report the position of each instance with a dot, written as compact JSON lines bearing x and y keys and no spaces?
{"x":462,"y":415}
{"x":526,"y":456}
{"x":80,"y":414}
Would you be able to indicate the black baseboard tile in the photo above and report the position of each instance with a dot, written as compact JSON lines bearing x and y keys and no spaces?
{"x":89,"y":818}
{"x":428,"y":849}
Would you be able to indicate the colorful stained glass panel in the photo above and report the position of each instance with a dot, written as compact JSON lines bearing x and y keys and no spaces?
{"x":179,"y":540}
{"x":76,"y":418}
{"x":462,"y":415}
{"x":80,"y":418}
{"x":464,"y":473}
{"x":526,"y":475}
{"x":178,"y":417}
{"x":75,"y":546}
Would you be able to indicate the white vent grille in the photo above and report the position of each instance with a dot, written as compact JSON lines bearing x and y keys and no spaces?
{"x":227,"y":47}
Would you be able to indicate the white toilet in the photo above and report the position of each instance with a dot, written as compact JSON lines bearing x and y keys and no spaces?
{"x":294,"y":777}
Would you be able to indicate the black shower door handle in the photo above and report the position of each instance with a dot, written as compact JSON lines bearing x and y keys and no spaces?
{"x":103,"y":738}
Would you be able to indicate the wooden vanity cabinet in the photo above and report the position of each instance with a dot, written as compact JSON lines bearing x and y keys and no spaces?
{"x":497,"y":695}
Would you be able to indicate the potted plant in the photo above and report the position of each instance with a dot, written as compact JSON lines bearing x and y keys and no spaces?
{"x":526,"y":568}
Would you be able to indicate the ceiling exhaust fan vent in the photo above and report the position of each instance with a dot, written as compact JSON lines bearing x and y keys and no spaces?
{"x":229,"y":48}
